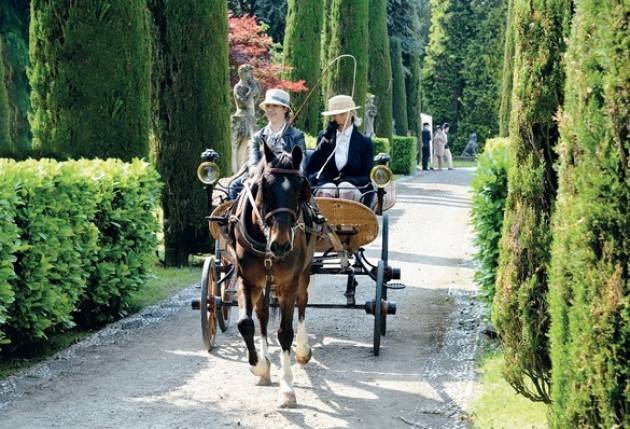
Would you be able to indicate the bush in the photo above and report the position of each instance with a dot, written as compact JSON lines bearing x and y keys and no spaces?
{"x":70,"y":229}
{"x":489,"y":194}
{"x":381,"y":145}
{"x":403,"y":153}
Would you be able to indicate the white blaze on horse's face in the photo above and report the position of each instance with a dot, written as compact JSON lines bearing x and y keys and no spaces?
{"x":286,"y":184}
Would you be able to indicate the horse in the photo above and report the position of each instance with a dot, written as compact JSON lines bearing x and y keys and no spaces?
{"x":272,"y":245}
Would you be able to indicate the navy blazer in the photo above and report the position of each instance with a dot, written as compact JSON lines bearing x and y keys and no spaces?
{"x":357,"y":169}
{"x":290,"y":138}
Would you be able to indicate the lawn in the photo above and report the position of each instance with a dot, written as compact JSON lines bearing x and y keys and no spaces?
{"x":498,"y":406}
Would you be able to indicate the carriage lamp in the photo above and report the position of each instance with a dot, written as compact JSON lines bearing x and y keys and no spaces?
{"x":381,"y":176}
{"x":208,"y":173}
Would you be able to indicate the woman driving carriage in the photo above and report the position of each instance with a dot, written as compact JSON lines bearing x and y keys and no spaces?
{"x":340,"y":165}
{"x":279,"y":134}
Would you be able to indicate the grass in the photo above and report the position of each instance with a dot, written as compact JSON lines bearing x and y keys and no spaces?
{"x":162,"y":284}
{"x":464,"y":163}
{"x":499,"y":406}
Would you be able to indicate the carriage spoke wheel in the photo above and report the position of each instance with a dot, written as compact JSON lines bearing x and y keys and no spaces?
{"x":223,"y":316}
{"x":384,"y":257}
{"x":207,"y":304}
{"x":378,"y":307}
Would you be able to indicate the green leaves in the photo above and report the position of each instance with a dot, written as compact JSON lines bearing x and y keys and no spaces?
{"x":403,"y":153}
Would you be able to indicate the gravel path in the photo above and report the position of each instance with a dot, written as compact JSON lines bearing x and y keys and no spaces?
{"x":150,"y":372}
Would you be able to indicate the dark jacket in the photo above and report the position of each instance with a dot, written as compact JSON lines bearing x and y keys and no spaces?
{"x":356,"y":171}
{"x":291,"y":137}
{"x":426,"y":137}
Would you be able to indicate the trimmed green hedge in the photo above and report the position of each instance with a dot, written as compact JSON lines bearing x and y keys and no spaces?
{"x":403,"y":153}
{"x":76,"y":237}
{"x":381,"y":145}
{"x":490,"y":187}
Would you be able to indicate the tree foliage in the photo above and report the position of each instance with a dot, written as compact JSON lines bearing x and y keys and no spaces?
{"x":520,"y":309}
{"x":399,"y":92}
{"x":270,"y":12}
{"x":14,"y":21}
{"x":6,"y":143}
{"x":191,"y":113}
{"x":301,"y":56}
{"x":349,"y":35}
{"x":412,"y":88}
{"x":590,"y":272}
{"x":91,"y":93}
{"x":380,"y":68}
{"x":249,"y":44}
{"x":507,"y":74}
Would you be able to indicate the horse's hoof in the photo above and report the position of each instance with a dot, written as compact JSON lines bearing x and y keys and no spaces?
{"x":288,"y":400}
{"x":303,"y":360}
{"x":264,"y":381}
{"x":262,"y":368}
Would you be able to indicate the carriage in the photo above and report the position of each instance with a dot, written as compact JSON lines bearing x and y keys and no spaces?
{"x":342,"y":228}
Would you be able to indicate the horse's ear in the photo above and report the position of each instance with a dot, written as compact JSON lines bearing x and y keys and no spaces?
{"x":297,"y":155}
{"x":269,"y":155}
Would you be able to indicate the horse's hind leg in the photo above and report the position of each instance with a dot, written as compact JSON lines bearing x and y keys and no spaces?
{"x":303,"y":351}
{"x":285,"y":336}
{"x":264,"y":366}
{"x":246,"y":327}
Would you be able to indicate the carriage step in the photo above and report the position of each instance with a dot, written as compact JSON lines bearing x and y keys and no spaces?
{"x":396,"y":286}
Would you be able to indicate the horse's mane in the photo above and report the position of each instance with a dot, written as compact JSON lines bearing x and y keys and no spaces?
{"x":282,"y":160}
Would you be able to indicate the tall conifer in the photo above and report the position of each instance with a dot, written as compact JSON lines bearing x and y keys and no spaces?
{"x":191,"y":113}
{"x":399,"y":92}
{"x":349,"y":35}
{"x":6,"y":145}
{"x":412,"y":88}
{"x":590,"y":275}
{"x":520,"y":310}
{"x":90,"y":77}
{"x":380,"y":68}
{"x":507,"y":74}
{"x":301,"y":54}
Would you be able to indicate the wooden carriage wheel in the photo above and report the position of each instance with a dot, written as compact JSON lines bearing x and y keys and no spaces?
{"x":208,"y":308}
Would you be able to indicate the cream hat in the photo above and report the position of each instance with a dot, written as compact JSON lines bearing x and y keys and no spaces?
{"x":340,"y":104}
{"x":277,"y":97}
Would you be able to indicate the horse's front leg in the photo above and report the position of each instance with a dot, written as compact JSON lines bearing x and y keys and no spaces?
{"x":286,"y":301}
{"x":303,"y":351}
{"x":263,"y":368}
{"x":246,"y":326}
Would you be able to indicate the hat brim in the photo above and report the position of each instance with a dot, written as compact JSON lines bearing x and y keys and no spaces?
{"x":339,"y":111}
{"x":275,"y":103}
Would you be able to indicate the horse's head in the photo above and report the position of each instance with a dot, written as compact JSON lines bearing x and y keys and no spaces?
{"x":281,"y":190}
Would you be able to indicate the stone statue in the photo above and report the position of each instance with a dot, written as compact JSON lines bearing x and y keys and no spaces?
{"x":370,"y":114}
{"x":471,"y":146}
{"x":243,"y":121}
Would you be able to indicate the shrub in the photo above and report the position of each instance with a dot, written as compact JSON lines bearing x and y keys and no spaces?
{"x":73,"y":234}
{"x":489,"y":194}
{"x":589,"y":296}
{"x":381,"y":145}
{"x":403,"y":153}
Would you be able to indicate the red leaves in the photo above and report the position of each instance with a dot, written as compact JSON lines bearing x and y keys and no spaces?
{"x":249,"y":44}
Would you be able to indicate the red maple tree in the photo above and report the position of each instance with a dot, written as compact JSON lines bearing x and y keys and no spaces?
{"x":250,"y":44}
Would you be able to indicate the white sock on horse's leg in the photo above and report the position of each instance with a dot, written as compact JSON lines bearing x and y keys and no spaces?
{"x":302,"y":350}
{"x":286,"y":384}
{"x":263,"y":368}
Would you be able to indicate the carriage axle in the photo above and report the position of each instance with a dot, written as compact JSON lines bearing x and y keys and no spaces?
{"x":388,"y":307}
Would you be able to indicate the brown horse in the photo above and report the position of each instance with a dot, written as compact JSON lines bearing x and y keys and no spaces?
{"x":272,"y":245}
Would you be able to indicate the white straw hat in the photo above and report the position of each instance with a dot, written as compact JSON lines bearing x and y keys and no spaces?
{"x":340,"y":104}
{"x":277,"y":97}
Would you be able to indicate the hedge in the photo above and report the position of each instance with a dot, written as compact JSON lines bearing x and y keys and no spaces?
{"x":403,"y":153}
{"x":381,"y":145}
{"x":490,"y":186}
{"x":76,"y":238}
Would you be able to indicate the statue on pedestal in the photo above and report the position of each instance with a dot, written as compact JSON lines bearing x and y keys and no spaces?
{"x":370,"y":114}
{"x":243,"y":121}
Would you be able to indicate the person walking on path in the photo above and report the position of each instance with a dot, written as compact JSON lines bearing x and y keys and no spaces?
{"x":439,"y":143}
{"x":425,"y":154}
{"x":447,"y":152}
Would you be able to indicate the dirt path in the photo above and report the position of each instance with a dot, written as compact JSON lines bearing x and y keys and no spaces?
{"x":157,"y":376}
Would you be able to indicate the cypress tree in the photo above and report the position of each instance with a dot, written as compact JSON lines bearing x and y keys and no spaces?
{"x":507,"y":74}
{"x":590,"y":278}
{"x":399,"y":92}
{"x":349,"y":35}
{"x":412,"y":88}
{"x":520,"y":311}
{"x":190,"y":113}
{"x":301,"y":53}
{"x":380,"y":68}
{"x":90,"y":78}
{"x":6,"y":145}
